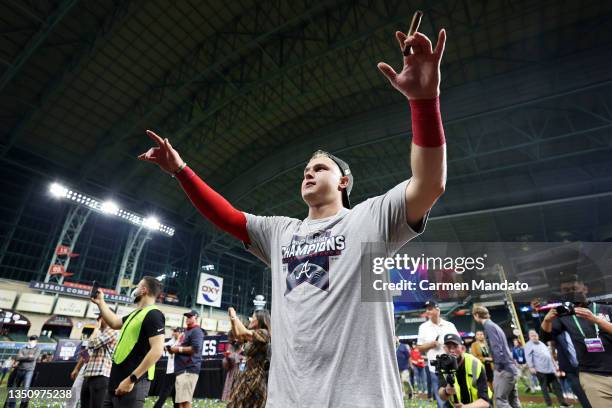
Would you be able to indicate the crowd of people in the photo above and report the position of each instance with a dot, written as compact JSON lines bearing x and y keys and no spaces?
{"x":560,"y":363}
{"x":115,"y":365}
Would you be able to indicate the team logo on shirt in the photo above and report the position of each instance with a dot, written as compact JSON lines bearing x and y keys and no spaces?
{"x":307,"y":259}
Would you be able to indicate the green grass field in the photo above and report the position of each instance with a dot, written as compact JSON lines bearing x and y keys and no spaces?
{"x":200,"y":403}
{"x":207,"y":403}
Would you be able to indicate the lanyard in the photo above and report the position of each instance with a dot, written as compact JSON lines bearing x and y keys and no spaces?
{"x":580,"y":328}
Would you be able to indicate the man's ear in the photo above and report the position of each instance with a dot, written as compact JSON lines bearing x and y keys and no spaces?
{"x":344,"y":181}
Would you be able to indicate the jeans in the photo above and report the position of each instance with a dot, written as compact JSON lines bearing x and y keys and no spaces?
{"x":547,"y":379}
{"x":135,"y":399}
{"x":4,"y":373}
{"x":435,"y":386}
{"x":574,"y":381}
{"x":75,"y":390}
{"x":167,"y":390}
{"x":22,"y":380}
{"x":420,"y":379}
{"x":429,"y":385}
{"x":93,"y":391}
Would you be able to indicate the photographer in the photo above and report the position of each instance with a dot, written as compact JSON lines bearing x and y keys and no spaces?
{"x":590,"y":331}
{"x":462,"y":377}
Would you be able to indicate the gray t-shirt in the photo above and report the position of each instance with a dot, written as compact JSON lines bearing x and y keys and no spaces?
{"x":329,"y":348}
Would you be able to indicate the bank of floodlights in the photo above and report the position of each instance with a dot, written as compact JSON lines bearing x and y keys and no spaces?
{"x":109,"y":208}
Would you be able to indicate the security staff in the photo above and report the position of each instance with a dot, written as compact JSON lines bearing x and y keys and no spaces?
{"x":140,"y":345}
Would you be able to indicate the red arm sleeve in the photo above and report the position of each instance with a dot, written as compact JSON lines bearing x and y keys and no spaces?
{"x":427,"y":130}
{"x":213,"y":206}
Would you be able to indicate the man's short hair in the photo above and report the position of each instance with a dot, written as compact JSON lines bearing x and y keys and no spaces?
{"x":320,"y":153}
{"x":481,"y":312}
{"x":569,"y":278}
{"x":154,"y":286}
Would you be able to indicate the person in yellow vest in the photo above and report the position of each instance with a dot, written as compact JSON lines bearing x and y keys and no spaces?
{"x":140,"y":345}
{"x":470,"y":389}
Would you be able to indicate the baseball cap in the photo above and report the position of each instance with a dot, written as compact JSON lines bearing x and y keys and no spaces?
{"x":192,"y":312}
{"x":453,"y":338}
{"x":346,"y":171}
{"x":430,"y":303}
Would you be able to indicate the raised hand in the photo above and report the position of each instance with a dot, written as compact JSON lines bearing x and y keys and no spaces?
{"x":420,"y":75}
{"x":99,"y":299}
{"x":163,"y":155}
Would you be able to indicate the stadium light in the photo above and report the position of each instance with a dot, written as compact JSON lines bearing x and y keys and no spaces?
{"x":151,"y":223}
{"x":109,"y":208}
{"x":57,"y":190}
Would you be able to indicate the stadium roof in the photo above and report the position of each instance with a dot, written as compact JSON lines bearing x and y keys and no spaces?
{"x":246,"y":90}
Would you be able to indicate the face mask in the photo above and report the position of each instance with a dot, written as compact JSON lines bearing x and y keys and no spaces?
{"x":32,"y":344}
{"x":575,"y":297}
{"x":136,"y":295}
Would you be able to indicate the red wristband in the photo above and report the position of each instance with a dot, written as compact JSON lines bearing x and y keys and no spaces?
{"x":427,"y":129}
{"x":212,"y":205}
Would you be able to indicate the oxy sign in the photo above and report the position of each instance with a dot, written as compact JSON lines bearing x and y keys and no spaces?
{"x":210,"y":290}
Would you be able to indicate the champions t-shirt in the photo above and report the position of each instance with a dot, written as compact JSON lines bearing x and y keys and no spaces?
{"x":329,"y":348}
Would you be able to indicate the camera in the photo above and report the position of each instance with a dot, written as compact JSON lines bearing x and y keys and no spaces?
{"x":565,"y":309}
{"x":446,"y":365}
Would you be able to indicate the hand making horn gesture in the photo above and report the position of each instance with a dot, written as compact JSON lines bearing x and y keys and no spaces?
{"x":420,"y":75}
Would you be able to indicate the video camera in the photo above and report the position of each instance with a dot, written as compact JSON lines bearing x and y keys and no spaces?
{"x":563,"y":308}
{"x":446,"y":365}
{"x":566,"y":309}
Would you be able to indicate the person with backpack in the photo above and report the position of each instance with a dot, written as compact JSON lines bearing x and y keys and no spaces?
{"x":251,"y":385}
